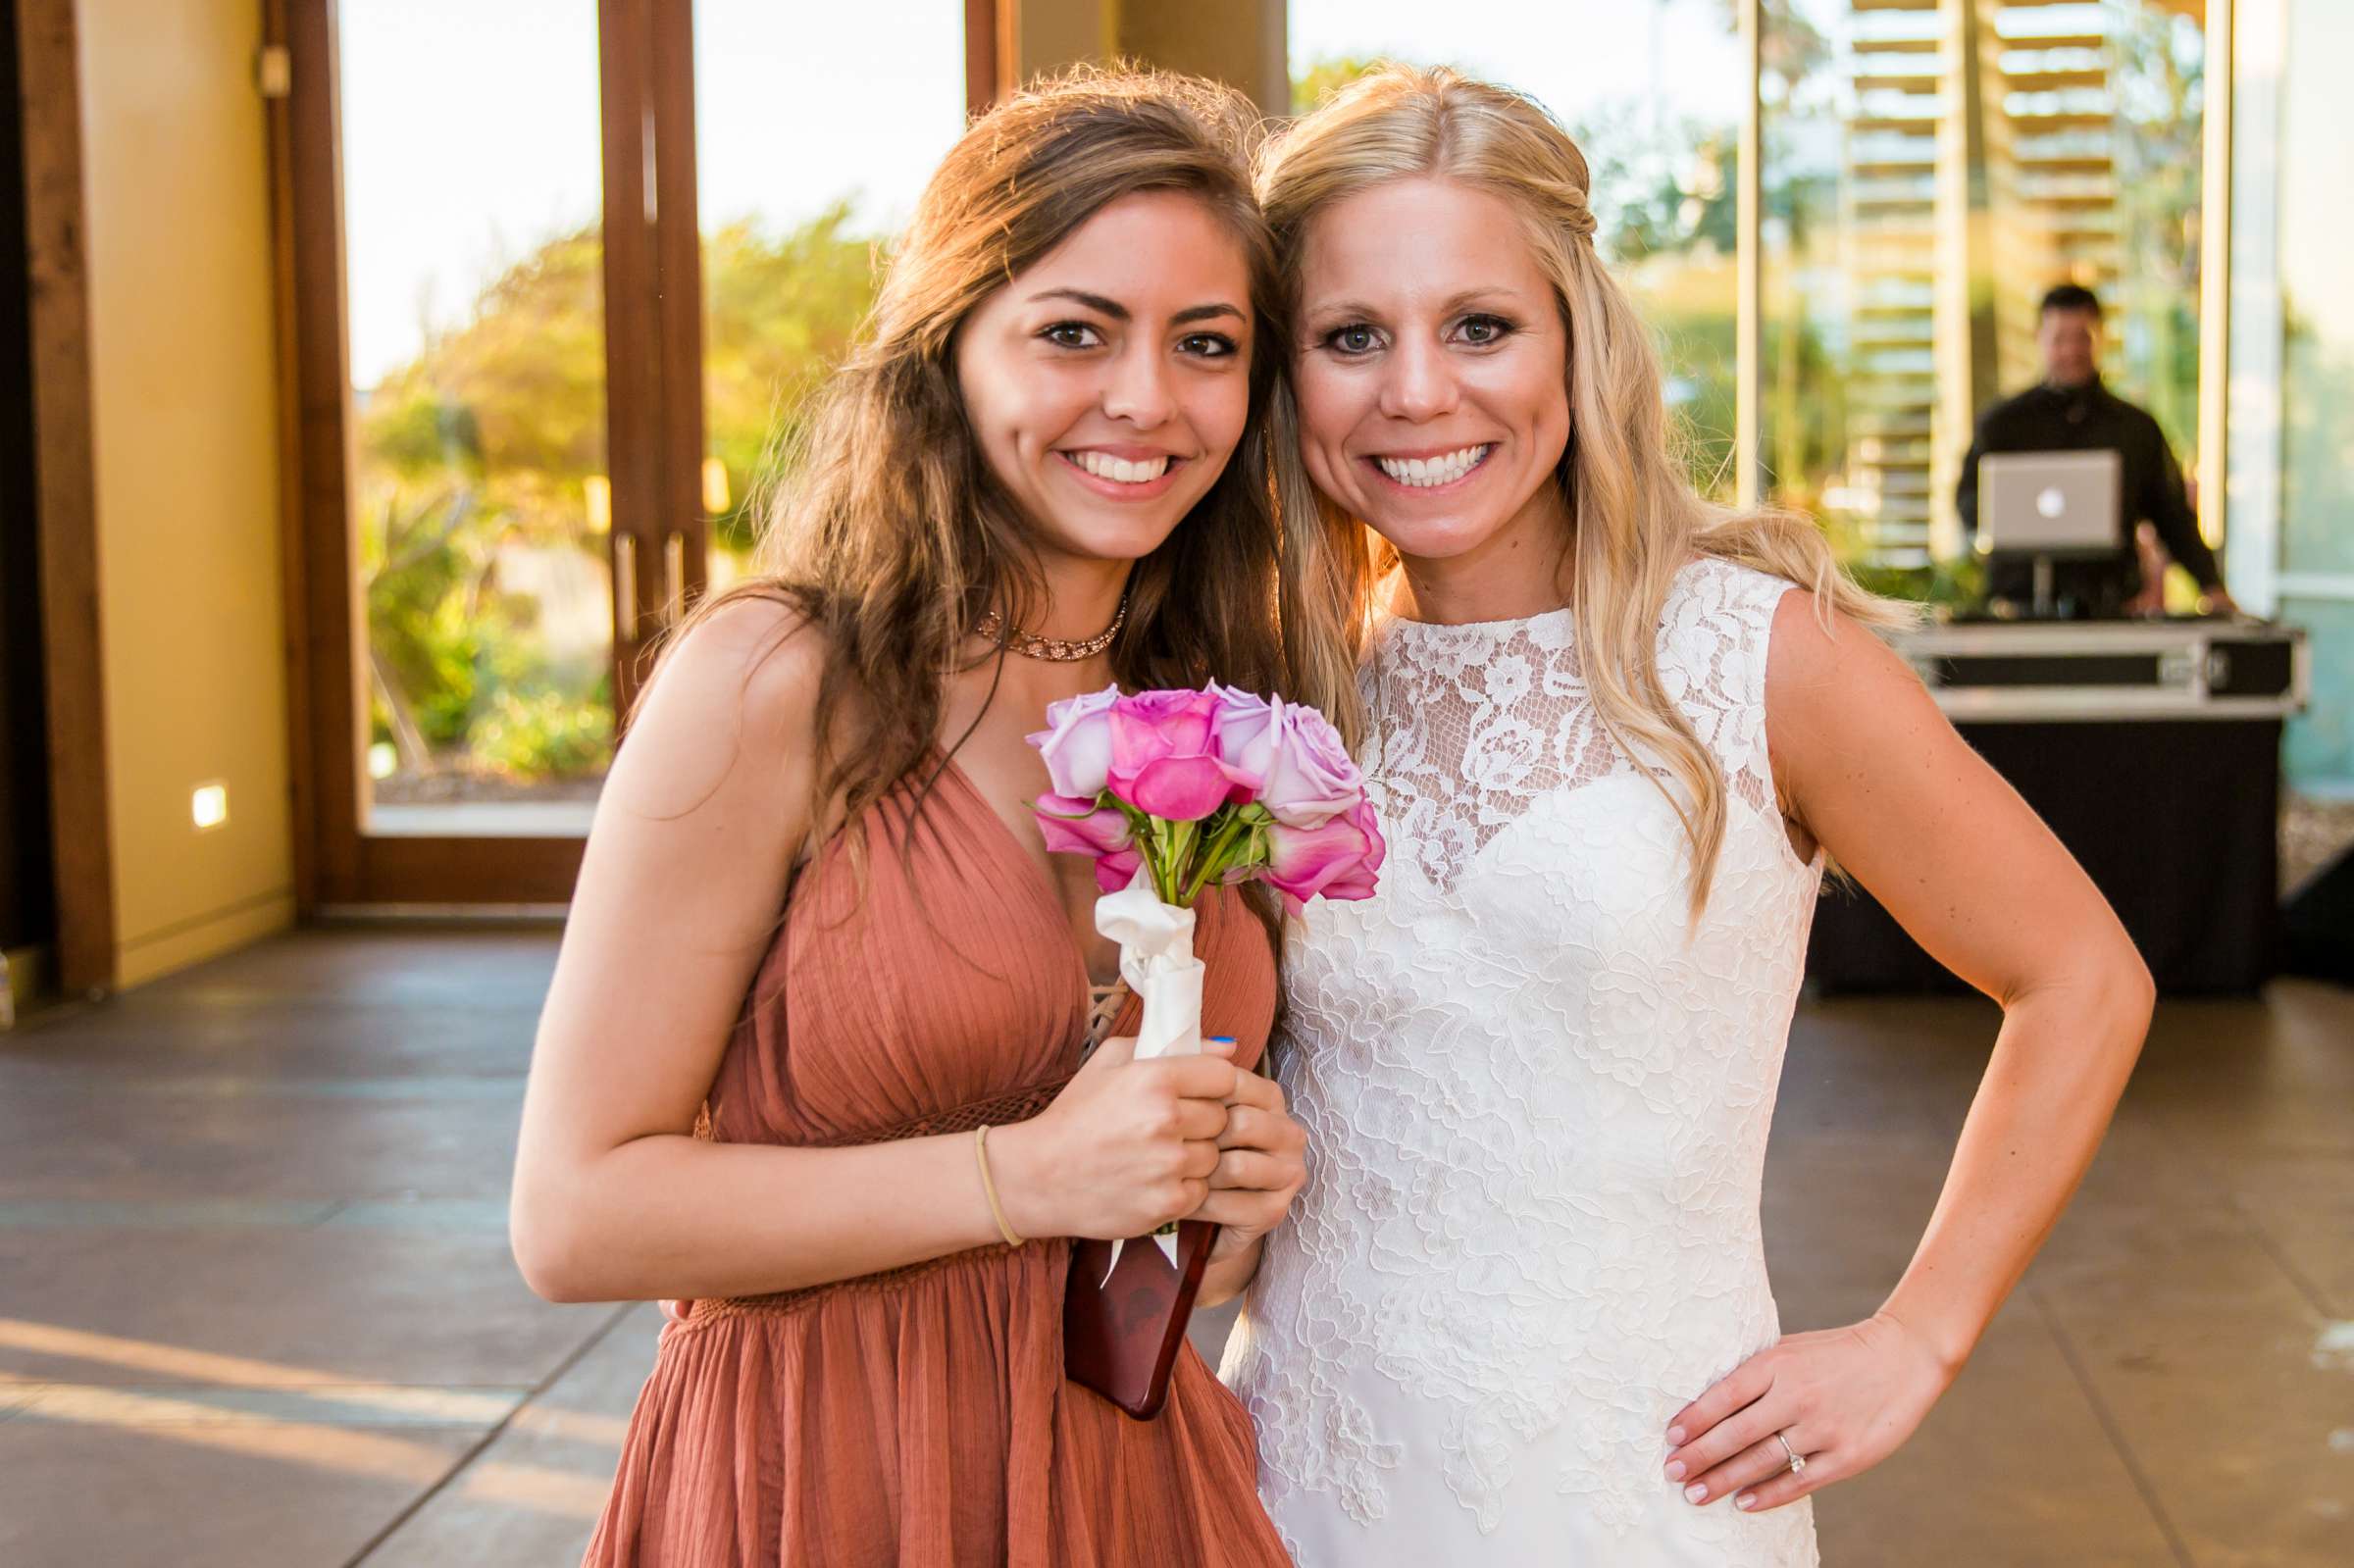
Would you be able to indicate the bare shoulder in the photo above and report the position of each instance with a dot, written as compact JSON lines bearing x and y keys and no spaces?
{"x":732,"y":705}
{"x":1810,"y":641}
{"x":756,"y":659}
{"x":1833,"y":684}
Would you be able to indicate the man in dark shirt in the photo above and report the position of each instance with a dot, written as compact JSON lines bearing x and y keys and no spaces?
{"x":2073,"y":411}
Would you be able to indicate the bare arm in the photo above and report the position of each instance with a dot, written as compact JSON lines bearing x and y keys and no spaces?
{"x":700,"y":823}
{"x":1874,"y":771}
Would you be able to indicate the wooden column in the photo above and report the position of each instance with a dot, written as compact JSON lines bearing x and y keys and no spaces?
{"x":66,"y":494}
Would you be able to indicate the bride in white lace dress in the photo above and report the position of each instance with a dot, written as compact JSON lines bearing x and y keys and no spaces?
{"x":1520,"y":1312}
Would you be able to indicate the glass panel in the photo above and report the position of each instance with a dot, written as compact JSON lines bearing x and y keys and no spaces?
{"x":802,"y":168}
{"x":472,"y":212}
{"x":2317,"y":396}
{"x":2319,"y":748}
{"x":1919,"y":197}
{"x":1651,"y":90}
{"x":2317,"y":235}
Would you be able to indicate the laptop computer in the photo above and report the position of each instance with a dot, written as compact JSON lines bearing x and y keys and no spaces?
{"x":2054,"y":504}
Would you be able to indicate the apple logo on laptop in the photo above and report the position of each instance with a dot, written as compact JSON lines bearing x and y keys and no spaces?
{"x":2051,"y":503}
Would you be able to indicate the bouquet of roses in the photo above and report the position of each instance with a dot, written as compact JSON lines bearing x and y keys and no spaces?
{"x":1189,"y":787}
{"x":1175,"y":792}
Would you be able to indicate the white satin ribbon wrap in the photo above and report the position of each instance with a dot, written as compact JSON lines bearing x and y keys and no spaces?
{"x":1156,"y":960}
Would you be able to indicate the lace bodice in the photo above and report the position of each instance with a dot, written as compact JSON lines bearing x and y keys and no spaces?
{"x":1537,"y":1099}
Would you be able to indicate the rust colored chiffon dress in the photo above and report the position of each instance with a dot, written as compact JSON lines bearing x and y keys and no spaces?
{"x":920,"y":1418}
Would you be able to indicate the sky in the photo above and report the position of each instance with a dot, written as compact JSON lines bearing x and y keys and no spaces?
{"x":470,"y":133}
{"x":1575,"y":57}
{"x":458,"y":156}
{"x":469,"y":127}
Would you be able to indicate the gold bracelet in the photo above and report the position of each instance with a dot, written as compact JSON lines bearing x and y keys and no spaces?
{"x":989,"y":1188}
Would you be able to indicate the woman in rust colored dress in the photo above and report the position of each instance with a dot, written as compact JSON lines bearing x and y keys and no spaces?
{"x":816,"y":922}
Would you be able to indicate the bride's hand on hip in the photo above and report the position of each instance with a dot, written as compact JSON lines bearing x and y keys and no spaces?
{"x":1261,"y":1166}
{"x":1842,"y":1401}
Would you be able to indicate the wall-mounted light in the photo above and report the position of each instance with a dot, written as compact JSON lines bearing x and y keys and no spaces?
{"x":208,"y":807}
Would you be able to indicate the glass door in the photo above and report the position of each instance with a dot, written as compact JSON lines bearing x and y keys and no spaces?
{"x":481,"y":487}
{"x":2316,"y":410}
{"x":520,"y":443}
{"x":803,"y":172}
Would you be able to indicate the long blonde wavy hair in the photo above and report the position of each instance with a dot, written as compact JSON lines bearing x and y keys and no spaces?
{"x":1634,"y":515}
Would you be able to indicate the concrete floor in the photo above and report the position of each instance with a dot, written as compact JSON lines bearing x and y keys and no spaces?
{"x":256,"y":1306}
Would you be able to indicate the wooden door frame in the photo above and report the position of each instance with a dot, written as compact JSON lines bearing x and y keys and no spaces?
{"x":989,"y":52}
{"x":632,"y":334}
{"x":654,"y":326}
{"x":65,"y":495}
{"x":337,"y":864}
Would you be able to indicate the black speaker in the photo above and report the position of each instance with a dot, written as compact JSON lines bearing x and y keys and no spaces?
{"x":2318,"y":923}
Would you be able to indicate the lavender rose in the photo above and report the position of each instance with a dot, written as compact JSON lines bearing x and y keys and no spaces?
{"x":1077,"y":743}
{"x":1245,"y":727}
{"x":1310,"y":779}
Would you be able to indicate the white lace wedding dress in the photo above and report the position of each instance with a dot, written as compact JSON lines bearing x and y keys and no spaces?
{"x":1537,"y":1103}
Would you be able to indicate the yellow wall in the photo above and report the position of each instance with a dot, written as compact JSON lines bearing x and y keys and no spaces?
{"x":176,"y":172}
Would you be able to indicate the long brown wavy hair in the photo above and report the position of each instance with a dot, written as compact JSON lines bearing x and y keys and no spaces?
{"x":1636,"y":518}
{"x":889,"y":535}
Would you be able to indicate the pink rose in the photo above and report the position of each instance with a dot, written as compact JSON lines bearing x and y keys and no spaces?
{"x":1080,"y":826}
{"x":1310,"y":779}
{"x":1115,"y":872}
{"x":1360,"y":879}
{"x":1339,"y":859}
{"x":1245,"y":727}
{"x":1077,"y":743}
{"x":1164,"y":755}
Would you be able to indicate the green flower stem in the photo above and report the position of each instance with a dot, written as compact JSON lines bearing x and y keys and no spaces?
{"x":1159,"y":860}
{"x":1212,"y":863}
{"x":1169,"y":848}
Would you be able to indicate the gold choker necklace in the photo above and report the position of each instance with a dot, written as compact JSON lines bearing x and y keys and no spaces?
{"x":1054,"y":650}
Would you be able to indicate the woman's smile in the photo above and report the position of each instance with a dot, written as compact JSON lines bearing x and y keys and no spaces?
{"x":1433,"y":473}
{"x":1123,"y":473}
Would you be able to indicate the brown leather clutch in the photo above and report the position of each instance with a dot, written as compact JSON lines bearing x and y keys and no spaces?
{"x":1121,"y":1335}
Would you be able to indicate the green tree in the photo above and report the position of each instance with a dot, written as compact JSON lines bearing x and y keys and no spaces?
{"x":490,"y":445}
{"x":486,"y":440}
{"x":1327,"y":75}
{"x":782,"y":311}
